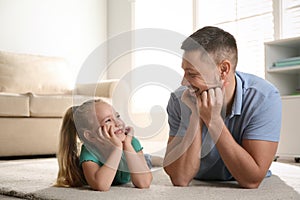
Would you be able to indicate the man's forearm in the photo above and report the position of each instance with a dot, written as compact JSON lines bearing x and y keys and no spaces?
{"x":183,"y":170}
{"x":244,"y":168}
{"x":182,"y":159}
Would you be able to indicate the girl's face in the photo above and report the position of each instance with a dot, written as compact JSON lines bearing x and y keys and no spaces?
{"x":109,"y":118}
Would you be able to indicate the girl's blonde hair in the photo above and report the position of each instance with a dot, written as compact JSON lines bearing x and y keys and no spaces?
{"x":75,"y":121}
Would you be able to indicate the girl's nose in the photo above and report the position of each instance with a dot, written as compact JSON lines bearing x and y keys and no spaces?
{"x":117,"y":122}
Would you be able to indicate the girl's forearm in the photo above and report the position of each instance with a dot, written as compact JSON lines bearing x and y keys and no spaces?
{"x":114,"y":158}
{"x":105,"y":175}
{"x":141,"y":176}
{"x":136,"y":161}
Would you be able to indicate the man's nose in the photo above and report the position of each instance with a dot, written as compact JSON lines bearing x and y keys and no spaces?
{"x":185,"y":82}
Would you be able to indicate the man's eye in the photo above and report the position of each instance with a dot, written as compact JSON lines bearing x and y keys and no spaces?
{"x":189,"y":73}
{"x":192,"y":75}
{"x":107,"y":121}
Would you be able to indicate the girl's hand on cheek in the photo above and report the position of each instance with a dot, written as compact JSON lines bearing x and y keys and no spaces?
{"x":129,"y":132}
{"x":106,"y":143}
{"x":110,"y":135}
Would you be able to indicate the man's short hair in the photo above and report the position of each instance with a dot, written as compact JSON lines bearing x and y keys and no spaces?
{"x":215,"y":41}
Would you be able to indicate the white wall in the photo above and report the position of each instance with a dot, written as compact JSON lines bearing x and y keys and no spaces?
{"x":67,"y":28}
{"x":120,"y":19}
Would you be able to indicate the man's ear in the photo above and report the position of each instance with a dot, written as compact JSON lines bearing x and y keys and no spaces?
{"x":88,"y":135}
{"x":224,"y":68}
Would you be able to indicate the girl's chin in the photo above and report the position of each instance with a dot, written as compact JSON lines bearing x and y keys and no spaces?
{"x":121,"y":137}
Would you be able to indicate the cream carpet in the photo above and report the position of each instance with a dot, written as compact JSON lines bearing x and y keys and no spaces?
{"x":33,"y":179}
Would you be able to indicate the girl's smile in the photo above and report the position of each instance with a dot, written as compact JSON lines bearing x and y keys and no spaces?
{"x":109,"y":118}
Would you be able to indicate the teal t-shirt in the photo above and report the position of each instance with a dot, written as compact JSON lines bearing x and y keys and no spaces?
{"x":121,"y":176}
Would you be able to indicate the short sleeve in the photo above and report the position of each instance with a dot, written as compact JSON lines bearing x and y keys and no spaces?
{"x":265,"y":124}
{"x":178,"y":115}
{"x":136,"y":144}
{"x":173,"y":114}
{"x":86,"y":155}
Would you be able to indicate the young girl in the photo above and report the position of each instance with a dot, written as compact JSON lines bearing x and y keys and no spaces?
{"x":110,"y":155}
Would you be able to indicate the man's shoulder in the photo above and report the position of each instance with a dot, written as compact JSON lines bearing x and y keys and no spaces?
{"x":175,"y":97}
{"x":253,"y":82}
{"x":179,"y":91}
{"x":250,"y":79}
{"x":175,"y":103}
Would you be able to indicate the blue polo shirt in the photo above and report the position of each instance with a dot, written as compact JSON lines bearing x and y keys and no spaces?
{"x":255,"y":115}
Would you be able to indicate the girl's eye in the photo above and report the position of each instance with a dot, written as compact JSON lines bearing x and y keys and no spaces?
{"x":118,"y":115}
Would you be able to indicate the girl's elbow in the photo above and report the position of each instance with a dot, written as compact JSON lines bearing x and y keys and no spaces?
{"x":143,"y":184}
{"x":102,"y":188}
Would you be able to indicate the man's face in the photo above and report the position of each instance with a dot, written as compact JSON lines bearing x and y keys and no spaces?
{"x":200,"y":73}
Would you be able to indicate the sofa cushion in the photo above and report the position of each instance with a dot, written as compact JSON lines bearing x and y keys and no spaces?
{"x":22,"y":73}
{"x":54,"y":105}
{"x":29,"y":136}
{"x":14,"y":105}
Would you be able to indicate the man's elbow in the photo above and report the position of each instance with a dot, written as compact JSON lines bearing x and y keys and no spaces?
{"x":251,"y":185}
{"x":180,"y":182}
{"x":177,"y":179}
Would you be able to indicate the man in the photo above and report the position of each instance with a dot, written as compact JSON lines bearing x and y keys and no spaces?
{"x":224,"y":124}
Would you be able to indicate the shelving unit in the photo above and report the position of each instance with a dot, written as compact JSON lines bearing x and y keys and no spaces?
{"x":287,"y":80}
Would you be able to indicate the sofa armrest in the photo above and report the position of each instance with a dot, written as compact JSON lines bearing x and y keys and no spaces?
{"x":104,"y":88}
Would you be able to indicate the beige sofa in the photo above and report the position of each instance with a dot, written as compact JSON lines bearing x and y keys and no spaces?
{"x":35,"y":91}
